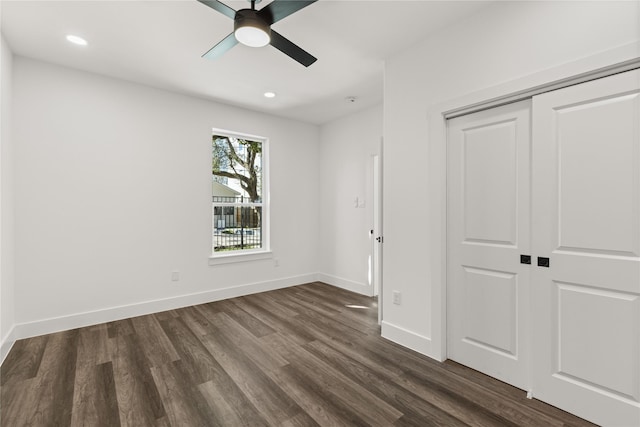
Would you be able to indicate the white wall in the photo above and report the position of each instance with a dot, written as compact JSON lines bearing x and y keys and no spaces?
{"x":346,"y":155}
{"x":508,"y":42}
{"x":6,"y":204}
{"x":113,"y":192}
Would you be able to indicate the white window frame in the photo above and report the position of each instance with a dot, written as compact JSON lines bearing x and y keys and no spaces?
{"x":264,"y":252}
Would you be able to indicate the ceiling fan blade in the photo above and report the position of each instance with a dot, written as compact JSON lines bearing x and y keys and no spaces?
{"x":220,"y":7}
{"x":285,"y":46}
{"x":223,"y":46}
{"x":279,"y":9}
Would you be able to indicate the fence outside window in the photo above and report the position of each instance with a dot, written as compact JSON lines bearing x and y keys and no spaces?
{"x":236,"y":224}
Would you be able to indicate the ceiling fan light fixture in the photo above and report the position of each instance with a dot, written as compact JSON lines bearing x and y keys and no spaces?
{"x":250,"y":29}
{"x":76,"y":40}
{"x":251,"y":36}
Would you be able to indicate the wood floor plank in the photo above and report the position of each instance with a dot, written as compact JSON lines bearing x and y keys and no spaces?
{"x":153,"y":341}
{"x":251,"y":323}
{"x":350,"y":361}
{"x":310,"y":326}
{"x":228,"y":409}
{"x":166,"y":315}
{"x":93,"y":347}
{"x":94,"y":401}
{"x":195,"y":320}
{"x":120,"y":327}
{"x":438,"y":377}
{"x":364,"y":355}
{"x":300,"y":420}
{"x":302,"y":301}
{"x":279,"y":322}
{"x":359,"y":319}
{"x":385,"y":386}
{"x":368,"y":407}
{"x":512,"y":393}
{"x":321,"y":405}
{"x":301,"y":356}
{"x":48,"y":397}
{"x":333,"y":295}
{"x":274,"y":405}
{"x":202,"y":369}
{"x":199,"y":364}
{"x":163,"y":422}
{"x":248,"y":343}
{"x":323,"y":328}
{"x":55,"y":378}
{"x":280,"y":344}
{"x":17,"y":401}
{"x":24,"y":360}
{"x":183,"y":402}
{"x":419,"y":379}
{"x":489,"y":401}
{"x":139,"y":402}
{"x":94,"y":398}
{"x":272,"y":302}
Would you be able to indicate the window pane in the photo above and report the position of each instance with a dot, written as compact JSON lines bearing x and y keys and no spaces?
{"x":238,"y":228}
{"x":237,"y":169}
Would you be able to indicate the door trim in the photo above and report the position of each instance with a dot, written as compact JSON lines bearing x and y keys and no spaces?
{"x":546,"y":87}
{"x":437,"y":115}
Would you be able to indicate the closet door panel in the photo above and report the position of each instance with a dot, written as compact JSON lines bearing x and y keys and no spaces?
{"x":488,"y":230}
{"x":586,"y":220}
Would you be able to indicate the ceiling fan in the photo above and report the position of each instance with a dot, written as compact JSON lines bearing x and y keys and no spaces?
{"x":253,"y":28}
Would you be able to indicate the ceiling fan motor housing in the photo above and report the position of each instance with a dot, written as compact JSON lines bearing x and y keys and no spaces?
{"x":250,"y":18}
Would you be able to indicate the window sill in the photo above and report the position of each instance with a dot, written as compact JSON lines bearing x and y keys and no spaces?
{"x":242,"y":257}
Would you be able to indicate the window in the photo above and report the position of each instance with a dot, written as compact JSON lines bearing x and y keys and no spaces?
{"x":238,"y":182}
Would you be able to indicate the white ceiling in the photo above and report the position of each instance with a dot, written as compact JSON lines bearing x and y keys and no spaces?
{"x":160,"y":43}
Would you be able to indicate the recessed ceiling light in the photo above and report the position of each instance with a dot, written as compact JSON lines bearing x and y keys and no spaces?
{"x":76,"y":40}
{"x":269,"y":94}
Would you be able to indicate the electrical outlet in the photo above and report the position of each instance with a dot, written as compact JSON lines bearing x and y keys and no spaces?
{"x":396,"y":297}
{"x":175,"y":276}
{"x":276,"y":262}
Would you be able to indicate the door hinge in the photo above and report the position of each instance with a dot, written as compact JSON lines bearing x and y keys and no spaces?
{"x":379,"y":239}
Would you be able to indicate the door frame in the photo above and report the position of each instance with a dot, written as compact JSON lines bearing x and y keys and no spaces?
{"x":376,"y":249}
{"x":620,"y":59}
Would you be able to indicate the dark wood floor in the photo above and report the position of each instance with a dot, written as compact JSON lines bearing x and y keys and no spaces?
{"x":303,"y":356}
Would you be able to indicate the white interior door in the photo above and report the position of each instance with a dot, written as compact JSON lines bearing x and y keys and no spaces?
{"x":586,"y":206}
{"x":488,"y":230}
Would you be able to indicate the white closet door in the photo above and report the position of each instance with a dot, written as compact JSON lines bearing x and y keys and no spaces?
{"x":586,"y":220}
{"x":488,"y":230}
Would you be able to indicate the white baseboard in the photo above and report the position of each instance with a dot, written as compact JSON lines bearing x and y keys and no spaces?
{"x":6,"y":344}
{"x":349,"y":285}
{"x":409,"y":339}
{"x":64,"y":323}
